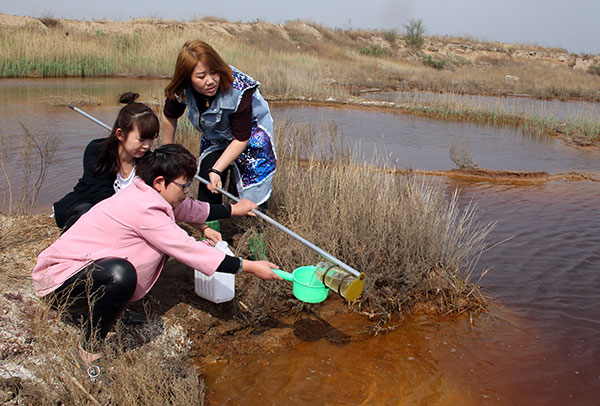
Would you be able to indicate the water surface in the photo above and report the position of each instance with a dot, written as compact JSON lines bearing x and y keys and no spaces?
{"x":540,"y":345}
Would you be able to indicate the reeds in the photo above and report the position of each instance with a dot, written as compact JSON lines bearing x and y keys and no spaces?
{"x":577,"y":130}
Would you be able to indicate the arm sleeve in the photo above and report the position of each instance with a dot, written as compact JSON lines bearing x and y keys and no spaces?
{"x":159,"y":229}
{"x":241,"y":120}
{"x":192,"y":211}
{"x":100,"y":184}
{"x":229,"y":265}
{"x":219,"y":211}
{"x":90,"y":157}
{"x":173,"y":109}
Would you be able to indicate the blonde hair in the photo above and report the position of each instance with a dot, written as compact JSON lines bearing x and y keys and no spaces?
{"x":191,"y":53}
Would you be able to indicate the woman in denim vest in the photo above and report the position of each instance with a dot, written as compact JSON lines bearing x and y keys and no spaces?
{"x":226,"y":106}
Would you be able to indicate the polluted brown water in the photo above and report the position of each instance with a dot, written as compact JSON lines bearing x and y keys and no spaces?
{"x":538,"y":345}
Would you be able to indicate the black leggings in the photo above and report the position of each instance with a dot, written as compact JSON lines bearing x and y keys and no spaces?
{"x":100,"y":291}
{"x":206,"y":195}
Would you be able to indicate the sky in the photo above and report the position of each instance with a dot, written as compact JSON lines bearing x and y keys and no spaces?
{"x":569,"y":24}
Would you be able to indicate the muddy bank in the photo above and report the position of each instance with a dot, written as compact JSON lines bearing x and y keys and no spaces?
{"x":482,"y":174}
{"x":501,"y":176}
{"x":217,"y":335}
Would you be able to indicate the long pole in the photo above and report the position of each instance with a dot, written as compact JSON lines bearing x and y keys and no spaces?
{"x":83,"y":113}
{"x":259,"y":214}
{"x":289,"y":232}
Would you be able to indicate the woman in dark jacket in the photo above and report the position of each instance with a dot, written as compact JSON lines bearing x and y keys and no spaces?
{"x":109,"y":163}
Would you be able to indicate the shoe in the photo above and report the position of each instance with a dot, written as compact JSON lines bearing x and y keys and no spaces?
{"x":132,"y":317}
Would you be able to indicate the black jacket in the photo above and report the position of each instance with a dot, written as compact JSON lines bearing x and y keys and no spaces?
{"x":91,"y":187}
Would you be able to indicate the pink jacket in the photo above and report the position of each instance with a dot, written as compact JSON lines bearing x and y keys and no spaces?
{"x":136,"y":224}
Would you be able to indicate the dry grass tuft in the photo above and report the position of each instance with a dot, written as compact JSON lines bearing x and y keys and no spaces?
{"x":414,"y":244}
{"x":147,"y":364}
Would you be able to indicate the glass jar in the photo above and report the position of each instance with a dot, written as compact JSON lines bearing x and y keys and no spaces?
{"x":343,"y":283}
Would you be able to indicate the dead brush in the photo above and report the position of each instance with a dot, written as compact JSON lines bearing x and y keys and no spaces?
{"x":414,"y":243}
{"x":155,"y":372}
{"x":31,"y":155}
{"x":148,"y":363}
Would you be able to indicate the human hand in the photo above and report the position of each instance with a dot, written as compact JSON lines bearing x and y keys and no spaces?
{"x":215,"y":182}
{"x":243,"y":208}
{"x":261,"y":269}
{"x":212,"y":235}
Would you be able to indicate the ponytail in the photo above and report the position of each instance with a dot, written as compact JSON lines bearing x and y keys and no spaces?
{"x":132,"y":114}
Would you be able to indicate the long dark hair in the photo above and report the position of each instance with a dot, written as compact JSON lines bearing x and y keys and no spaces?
{"x":133,"y":114}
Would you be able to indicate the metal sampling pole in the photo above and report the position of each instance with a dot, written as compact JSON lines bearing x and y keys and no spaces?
{"x":289,"y":232}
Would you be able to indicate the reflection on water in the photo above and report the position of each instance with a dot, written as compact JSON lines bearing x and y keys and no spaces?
{"x":546,"y":275}
{"x":560,"y":110}
{"x":422,"y":143}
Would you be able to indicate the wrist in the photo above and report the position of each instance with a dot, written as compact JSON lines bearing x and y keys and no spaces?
{"x":241,"y":268}
{"x":213,"y":170}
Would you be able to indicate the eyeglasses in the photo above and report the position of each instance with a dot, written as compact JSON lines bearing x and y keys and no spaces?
{"x":184,"y":186}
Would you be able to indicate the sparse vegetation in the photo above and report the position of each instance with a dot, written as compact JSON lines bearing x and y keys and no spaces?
{"x":390,"y":35}
{"x":304,"y":59}
{"x":26,"y":157}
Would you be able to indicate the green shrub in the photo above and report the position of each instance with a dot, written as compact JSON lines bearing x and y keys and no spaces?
{"x":415,"y":31}
{"x":434,"y":63}
{"x":373,"y":50}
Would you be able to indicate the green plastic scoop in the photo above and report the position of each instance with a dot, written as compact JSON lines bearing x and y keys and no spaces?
{"x":307,"y":287}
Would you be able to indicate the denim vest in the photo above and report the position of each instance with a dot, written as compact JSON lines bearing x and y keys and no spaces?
{"x":254,"y":168}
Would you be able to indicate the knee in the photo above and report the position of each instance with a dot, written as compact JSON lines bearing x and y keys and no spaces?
{"x":123,"y":273}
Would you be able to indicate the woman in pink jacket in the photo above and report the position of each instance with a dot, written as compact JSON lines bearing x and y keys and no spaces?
{"x":115,"y":252}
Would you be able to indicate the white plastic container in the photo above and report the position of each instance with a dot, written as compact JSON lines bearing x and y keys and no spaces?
{"x":220,"y":286}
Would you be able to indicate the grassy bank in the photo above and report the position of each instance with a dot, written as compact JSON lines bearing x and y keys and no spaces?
{"x":579,"y":131}
{"x":296,"y":58}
